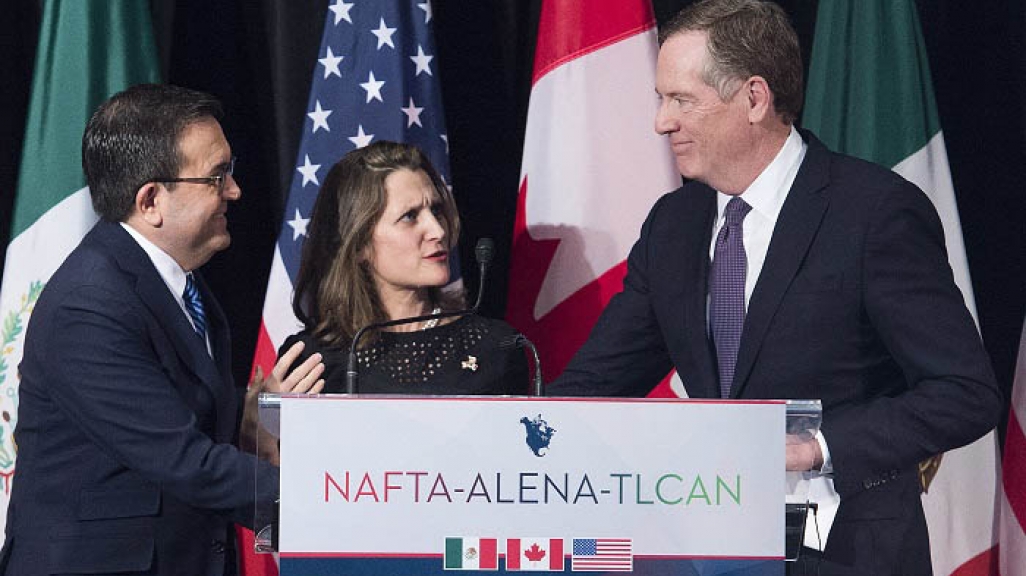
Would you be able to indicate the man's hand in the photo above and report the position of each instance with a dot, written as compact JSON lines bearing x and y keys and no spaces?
{"x":803,"y":453}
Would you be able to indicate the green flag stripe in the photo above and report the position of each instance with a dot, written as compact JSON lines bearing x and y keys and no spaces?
{"x":869,"y":68}
{"x":88,"y":50}
{"x":454,"y":553}
{"x":870,"y":95}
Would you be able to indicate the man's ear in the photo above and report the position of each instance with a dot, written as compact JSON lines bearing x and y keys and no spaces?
{"x":759,"y":99}
{"x":147,"y":203}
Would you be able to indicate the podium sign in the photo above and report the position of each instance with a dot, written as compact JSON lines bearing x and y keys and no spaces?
{"x":428,"y":484}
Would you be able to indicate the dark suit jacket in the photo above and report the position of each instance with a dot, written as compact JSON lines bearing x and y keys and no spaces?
{"x":855,"y":305}
{"x":124,"y":426}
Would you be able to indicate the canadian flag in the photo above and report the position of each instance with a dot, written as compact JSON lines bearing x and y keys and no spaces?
{"x":593,"y":166}
{"x":536,"y":554}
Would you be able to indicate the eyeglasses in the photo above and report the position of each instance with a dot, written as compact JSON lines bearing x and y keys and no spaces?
{"x":216,"y":181}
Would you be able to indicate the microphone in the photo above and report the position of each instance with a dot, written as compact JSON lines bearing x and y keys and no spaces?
{"x":483,"y":253}
{"x":520,"y":341}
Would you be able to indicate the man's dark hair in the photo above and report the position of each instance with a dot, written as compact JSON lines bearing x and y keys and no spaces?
{"x":132,"y":138}
{"x":746,"y":38}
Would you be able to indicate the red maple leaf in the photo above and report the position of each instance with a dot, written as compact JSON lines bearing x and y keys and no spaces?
{"x":534,"y":553}
{"x":560,"y":332}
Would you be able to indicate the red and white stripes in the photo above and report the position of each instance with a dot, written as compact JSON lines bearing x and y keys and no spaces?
{"x":1012,"y":516}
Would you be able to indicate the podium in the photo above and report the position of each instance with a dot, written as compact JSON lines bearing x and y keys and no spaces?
{"x":432,"y":485}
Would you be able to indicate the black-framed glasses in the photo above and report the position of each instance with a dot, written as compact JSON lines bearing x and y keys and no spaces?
{"x":215,"y":181}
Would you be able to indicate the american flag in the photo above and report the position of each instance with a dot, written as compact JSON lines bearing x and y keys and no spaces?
{"x":602,"y":555}
{"x":376,"y":78}
{"x":1012,"y":525}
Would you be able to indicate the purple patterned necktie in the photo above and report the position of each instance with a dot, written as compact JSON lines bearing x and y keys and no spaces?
{"x":727,"y":291}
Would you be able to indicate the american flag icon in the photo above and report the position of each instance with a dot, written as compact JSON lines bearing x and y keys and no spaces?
{"x":602,"y":555}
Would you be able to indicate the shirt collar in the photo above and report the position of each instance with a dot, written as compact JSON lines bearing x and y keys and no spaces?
{"x":169,"y":270}
{"x":767,"y":193}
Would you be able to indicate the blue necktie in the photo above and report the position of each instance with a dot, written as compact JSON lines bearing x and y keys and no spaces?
{"x":194,"y":306}
{"x":727,"y":292}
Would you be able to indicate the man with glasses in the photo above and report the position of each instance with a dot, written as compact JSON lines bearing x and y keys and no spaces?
{"x":127,"y":407}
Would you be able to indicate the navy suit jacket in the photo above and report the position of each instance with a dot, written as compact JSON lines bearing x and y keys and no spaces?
{"x":124,"y":426}
{"x":855,"y":305}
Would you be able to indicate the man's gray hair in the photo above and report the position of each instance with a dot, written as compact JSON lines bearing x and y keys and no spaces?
{"x":746,"y":38}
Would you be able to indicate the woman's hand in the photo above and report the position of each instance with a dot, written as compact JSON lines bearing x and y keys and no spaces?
{"x":306,"y":378}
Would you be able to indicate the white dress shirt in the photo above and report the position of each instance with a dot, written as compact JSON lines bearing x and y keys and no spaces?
{"x":170,"y":272}
{"x":766,"y":196}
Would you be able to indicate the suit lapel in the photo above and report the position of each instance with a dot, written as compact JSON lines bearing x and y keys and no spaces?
{"x":796,"y":226}
{"x":220,"y":343}
{"x":702,"y":212}
{"x":190,"y":348}
{"x":154,"y":294}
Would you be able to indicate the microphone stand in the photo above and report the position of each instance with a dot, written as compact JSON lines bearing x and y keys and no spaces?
{"x":520,"y":341}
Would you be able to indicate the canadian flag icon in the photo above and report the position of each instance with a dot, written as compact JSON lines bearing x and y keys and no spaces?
{"x":539,"y":554}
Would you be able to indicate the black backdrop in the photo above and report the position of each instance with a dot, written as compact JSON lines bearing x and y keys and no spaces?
{"x":258,"y":56}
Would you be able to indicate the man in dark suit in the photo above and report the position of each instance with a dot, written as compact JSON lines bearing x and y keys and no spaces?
{"x":127,"y":408}
{"x":783,"y":270}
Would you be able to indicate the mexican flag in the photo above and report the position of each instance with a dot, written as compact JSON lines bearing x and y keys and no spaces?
{"x":870,"y":95}
{"x":471,"y":554}
{"x":88,"y":50}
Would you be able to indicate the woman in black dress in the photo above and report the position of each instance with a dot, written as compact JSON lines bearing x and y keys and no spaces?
{"x":377,"y":249}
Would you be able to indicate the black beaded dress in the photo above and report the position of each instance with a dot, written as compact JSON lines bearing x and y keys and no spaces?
{"x":463,"y":357}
